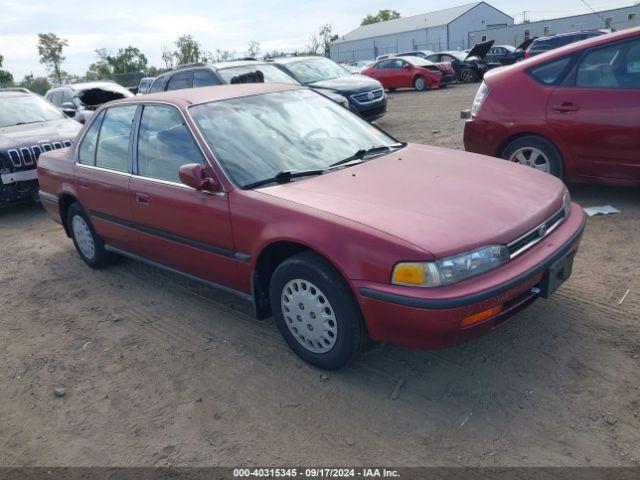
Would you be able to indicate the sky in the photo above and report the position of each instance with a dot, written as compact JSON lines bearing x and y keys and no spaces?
{"x":277,"y":24}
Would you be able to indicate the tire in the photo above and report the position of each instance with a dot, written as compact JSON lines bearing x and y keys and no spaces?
{"x":536,"y":152}
{"x":88,"y":243}
{"x":316,"y":312}
{"x":468,"y":76}
{"x":420,"y":83}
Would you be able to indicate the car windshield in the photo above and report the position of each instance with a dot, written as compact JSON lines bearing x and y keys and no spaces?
{"x":22,"y":109}
{"x":270,"y":73}
{"x":255,"y":138}
{"x":316,"y":70}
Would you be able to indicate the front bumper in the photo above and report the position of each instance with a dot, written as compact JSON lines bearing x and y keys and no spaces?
{"x":18,"y":186}
{"x":371,"y":111}
{"x":432,"y":318}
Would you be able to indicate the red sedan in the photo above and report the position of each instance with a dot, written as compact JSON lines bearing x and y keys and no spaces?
{"x":405,"y":72}
{"x":317,"y":217}
{"x":573,"y":112}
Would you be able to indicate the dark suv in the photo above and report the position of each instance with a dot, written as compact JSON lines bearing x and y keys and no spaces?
{"x":544,"y":44}
{"x":29,"y":125}
{"x":365,"y":95}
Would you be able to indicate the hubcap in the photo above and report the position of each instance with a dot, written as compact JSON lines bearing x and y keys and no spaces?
{"x":83,"y":236}
{"x":419,"y":84}
{"x":309,"y":316}
{"x":531,"y":157}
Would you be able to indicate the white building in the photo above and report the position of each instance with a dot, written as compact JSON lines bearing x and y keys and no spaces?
{"x":617,"y":19}
{"x":441,"y":30}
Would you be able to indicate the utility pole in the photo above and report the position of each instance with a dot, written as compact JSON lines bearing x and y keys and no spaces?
{"x":524,"y":16}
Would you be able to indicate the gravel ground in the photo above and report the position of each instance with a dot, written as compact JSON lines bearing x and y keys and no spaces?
{"x":157,"y":370}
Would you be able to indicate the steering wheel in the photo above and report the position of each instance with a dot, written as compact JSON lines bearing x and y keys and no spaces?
{"x":314,"y":132}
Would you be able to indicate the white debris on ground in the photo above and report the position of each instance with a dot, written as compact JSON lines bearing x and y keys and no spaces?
{"x":602,"y":210}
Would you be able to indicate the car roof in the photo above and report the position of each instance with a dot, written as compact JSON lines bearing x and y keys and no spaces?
{"x":236,"y":63}
{"x":285,"y":60}
{"x":192,"y":96}
{"x":15,"y":92}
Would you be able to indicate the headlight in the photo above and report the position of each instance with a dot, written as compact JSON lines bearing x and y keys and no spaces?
{"x":451,"y":269}
{"x":566,"y":202}
{"x":481,"y":96}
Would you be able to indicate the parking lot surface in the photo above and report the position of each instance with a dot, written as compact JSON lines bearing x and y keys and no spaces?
{"x":157,"y":370}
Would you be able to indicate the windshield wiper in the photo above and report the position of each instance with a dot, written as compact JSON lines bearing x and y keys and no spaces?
{"x":283,"y":177}
{"x":367,"y":152}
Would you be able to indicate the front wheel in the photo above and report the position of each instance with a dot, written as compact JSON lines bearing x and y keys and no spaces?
{"x":88,"y":243}
{"x":420,"y":83}
{"x":316,"y":312}
{"x":535,"y":152}
{"x":468,"y":76}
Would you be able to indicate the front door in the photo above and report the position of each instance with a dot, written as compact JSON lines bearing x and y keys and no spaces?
{"x":598,"y":113}
{"x":178,"y":227}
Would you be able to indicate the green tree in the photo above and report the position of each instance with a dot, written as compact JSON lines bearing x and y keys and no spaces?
{"x":253,"y":49}
{"x":327,"y":37}
{"x":50,"y":48}
{"x":381,"y":16}
{"x":188,"y":50}
{"x":5,"y":77}
{"x":36,"y":84}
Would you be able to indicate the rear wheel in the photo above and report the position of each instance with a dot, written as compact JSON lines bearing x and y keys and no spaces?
{"x":535,"y":152}
{"x":88,"y":243}
{"x":316,"y":312}
{"x":420,"y":83}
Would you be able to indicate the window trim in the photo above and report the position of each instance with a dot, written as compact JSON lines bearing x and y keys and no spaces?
{"x":570,"y":79}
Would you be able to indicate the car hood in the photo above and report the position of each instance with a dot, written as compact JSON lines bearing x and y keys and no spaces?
{"x":480,"y":50}
{"x":38,"y":133}
{"x":348,"y":84}
{"x":442,"y":201}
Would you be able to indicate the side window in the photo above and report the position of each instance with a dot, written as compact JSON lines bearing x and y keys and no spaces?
{"x":67,"y":96}
{"x":549,"y":73}
{"x":384,"y":65}
{"x":397,"y":64}
{"x":56,"y":97}
{"x":180,"y":81}
{"x":87,"y":149}
{"x":204,"y":78}
{"x":113,"y":140}
{"x":157,"y":85}
{"x":164,"y":144}
{"x":615,"y":66}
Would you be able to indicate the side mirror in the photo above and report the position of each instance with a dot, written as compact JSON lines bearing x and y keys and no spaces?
{"x":69,"y":109}
{"x":406,"y":66}
{"x":197,"y":177}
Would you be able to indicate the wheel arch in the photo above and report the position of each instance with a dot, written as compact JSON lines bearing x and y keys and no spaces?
{"x":269,"y":258}
{"x":64,"y":202}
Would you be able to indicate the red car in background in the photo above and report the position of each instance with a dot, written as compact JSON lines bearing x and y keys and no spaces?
{"x":407,"y":72}
{"x":313,"y":215}
{"x":573,"y":112}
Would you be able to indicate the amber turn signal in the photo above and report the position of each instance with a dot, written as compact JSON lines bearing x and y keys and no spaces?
{"x":481,"y":316}
{"x":409,"y":274}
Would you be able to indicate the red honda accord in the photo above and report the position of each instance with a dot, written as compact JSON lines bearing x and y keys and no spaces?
{"x":406,"y":72}
{"x":318,"y":218}
{"x":573,"y":112}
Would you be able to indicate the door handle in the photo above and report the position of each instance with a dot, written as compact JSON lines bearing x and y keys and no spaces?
{"x":566,"y":107}
{"x":142,"y":198}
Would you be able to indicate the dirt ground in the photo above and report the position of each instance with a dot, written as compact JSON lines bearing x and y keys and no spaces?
{"x":158,"y":370}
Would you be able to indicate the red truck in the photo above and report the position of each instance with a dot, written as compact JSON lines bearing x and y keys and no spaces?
{"x":317,"y":217}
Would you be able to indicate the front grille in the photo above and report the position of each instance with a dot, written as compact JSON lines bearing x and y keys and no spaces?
{"x":371,"y":96}
{"x":27,"y":157}
{"x":529,"y":239}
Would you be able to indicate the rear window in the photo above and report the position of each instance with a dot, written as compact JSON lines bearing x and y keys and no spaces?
{"x":157,"y":85}
{"x":551,"y":72}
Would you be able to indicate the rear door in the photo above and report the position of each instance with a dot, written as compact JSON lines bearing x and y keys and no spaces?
{"x":179,"y":227}
{"x":103,"y":174}
{"x":597,"y":111}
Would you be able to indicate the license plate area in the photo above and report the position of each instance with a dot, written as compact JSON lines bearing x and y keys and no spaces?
{"x":556,"y":274}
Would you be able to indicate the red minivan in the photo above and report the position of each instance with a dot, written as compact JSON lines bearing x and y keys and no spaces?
{"x":573,"y":112}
